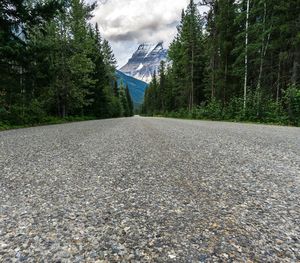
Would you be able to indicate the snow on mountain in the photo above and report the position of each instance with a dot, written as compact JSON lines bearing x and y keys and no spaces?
{"x":140,"y":67}
{"x":145,"y":61}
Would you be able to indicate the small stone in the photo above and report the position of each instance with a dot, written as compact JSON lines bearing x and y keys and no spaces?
{"x":3,"y":245}
{"x":79,"y":259}
{"x":215,"y":225}
{"x":126,"y":229}
{"x":171,"y":256}
{"x":63,"y":254}
{"x":93,"y":254}
{"x":289,"y":254}
{"x":279,"y":241}
{"x":225,"y":255}
{"x":118,"y":249}
{"x":203,"y":258}
{"x":239,"y":249}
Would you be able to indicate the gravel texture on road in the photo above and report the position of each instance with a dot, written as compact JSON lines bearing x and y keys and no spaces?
{"x":150,"y":190}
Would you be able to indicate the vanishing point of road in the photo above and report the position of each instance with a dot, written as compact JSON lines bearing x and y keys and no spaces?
{"x":150,"y":190}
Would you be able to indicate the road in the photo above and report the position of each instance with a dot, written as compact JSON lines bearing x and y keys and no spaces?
{"x":150,"y":190}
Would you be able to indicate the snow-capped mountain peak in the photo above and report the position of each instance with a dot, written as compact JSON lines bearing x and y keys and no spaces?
{"x":145,"y":61}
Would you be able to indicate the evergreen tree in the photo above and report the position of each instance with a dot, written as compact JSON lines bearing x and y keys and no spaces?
{"x":55,"y":63}
{"x":99,"y":93}
{"x":124,"y":101}
{"x":150,"y":102}
{"x":242,"y":62}
{"x":129,"y":102}
{"x":16,"y":19}
{"x":186,"y":54}
{"x":109,"y":59}
{"x":116,"y":89}
{"x":162,"y":87}
{"x":225,"y":82}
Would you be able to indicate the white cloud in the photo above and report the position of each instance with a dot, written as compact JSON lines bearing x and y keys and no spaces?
{"x":127,"y":23}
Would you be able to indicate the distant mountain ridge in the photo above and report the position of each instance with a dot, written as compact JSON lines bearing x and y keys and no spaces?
{"x":136,"y":87}
{"x":145,"y":61}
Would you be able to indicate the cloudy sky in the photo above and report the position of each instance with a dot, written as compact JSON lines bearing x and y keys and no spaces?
{"x":127,"y":23}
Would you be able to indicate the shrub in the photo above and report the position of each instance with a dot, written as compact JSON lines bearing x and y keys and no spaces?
{"x":235,"y":109}
{"x":213,"y":110}
{"x":292,"y":102}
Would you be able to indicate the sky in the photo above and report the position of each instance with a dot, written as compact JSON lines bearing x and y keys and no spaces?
{"x":128,"y":23}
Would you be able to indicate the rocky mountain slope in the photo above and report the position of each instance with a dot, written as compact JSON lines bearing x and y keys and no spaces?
{"x":145,"y":61}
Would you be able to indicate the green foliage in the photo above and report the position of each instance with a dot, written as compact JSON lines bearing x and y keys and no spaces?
{"x":292,"y":102}
{"x":213,"y":110}
{"x":116,"y":108}
{"x":186,"y":54}
{"x":129,"y":102}
{"x":124,"y":101}
{"x":55,"y":64}
{"x":221,"y":69}
{"x":21,"y":114}
{"x":234,"y":110}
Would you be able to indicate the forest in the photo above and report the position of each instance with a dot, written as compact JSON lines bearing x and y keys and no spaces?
{"x":55,"y":65}
{"x":239,"y":61}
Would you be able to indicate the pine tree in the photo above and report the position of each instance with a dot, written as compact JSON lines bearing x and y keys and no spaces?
{"x":109,"y":59}
{"x":129,"y":102}
{"x":162,"y":87}
{"x":186,"y":54}
{"x":16,"y":19}
{"x":98,"y":95}
{"x":124,"y":101}
{"x":150,"y":105}
{"x":251,"y":53}
{"x":220,"y":45}
{"x":116,"y":89}
{"x":55,"y":62}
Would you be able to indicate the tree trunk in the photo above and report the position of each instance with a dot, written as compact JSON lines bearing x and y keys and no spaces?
{"x":192,"y":79}
{"x":278,"y":81}
{"x":213,"y":57}
{"x":296,"y":66}
{"x":225,"y":81}
{"x":213,"y":81}
{"x":262,"y":50}
{"x":246,"y":55}
{"x":22,"y":92}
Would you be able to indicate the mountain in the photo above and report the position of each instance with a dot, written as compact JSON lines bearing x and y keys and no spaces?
{"x":136,"y":87}
{"x":145,"y":61}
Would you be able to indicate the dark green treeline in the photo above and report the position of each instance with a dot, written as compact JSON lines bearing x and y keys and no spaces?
{"x":239,"y":61}
{"x":54,"y":63}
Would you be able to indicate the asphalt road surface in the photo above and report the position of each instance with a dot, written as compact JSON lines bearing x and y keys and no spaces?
{"x":150,"y":190}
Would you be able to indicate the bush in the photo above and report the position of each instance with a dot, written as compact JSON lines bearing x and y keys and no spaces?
{"x":29,"y":114}
{"x":235,"y":110}
{"x":274,"y":113}
{"x":259,"y":109}
{"x":3,"y":126}
{"x":115,"y":108}
{"x":213,"y":110}
{"x":292,"y":102}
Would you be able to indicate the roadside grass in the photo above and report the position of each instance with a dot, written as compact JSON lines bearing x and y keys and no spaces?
{"x":190,"y":116}
{"x":227,"y":120}
{"x":46,"y":121}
